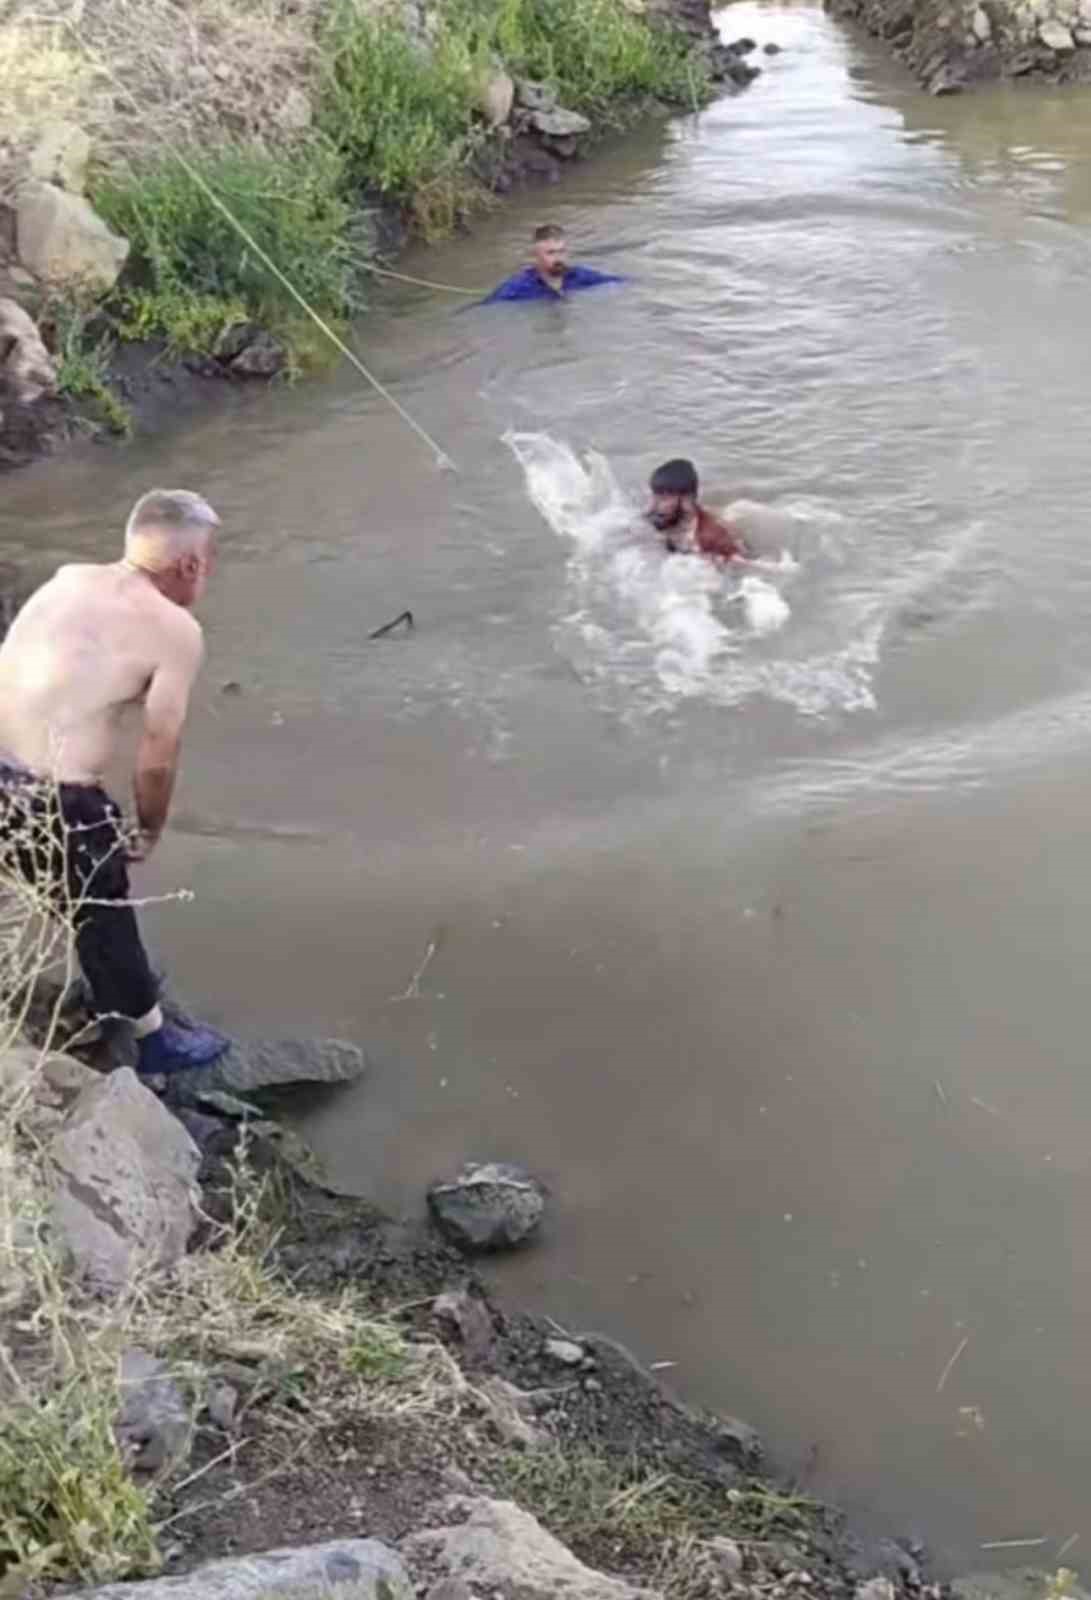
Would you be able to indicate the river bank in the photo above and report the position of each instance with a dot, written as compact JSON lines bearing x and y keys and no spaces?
{"x":952,"y":47}
{"x":281,"y":1367}
{"x":128,"y":271}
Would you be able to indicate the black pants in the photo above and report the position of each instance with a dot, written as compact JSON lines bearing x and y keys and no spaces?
{"x":67,"y":838}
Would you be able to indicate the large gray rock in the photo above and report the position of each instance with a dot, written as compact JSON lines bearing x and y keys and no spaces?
{"x":502,"y":1549}
{"x":252,"y":1065}
{"x":154,"y":1427}
{"x":488,"y":1206}
{"x":361,"y":1569}
{"x":124,"y":1198}
{"x":40,"y":1086}
{"x":26,"y":367}
{"x":64,"y":241}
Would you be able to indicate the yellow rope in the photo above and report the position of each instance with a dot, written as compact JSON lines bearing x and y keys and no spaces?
{"x":443,"y":460}
{"x":422,"y":283}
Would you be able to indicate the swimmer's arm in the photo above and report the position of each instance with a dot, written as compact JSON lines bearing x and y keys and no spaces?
{"x":725,"y":540}
{"x":165,"y":705}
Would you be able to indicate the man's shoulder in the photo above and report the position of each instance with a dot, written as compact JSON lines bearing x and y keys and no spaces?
{"x":523,"y":285}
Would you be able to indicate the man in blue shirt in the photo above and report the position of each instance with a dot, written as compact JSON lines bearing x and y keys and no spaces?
{"x":549,"y":276}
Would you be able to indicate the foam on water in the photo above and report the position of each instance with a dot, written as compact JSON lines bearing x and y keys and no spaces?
{"x":667,"y":628}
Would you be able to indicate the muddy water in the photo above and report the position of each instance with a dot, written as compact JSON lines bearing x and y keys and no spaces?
{"x":759,"y":909}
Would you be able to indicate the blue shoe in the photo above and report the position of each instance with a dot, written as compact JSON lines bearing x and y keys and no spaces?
{"x":175,"y":1049}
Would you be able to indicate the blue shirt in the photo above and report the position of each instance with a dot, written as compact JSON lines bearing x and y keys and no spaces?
{"x":527,"y":285}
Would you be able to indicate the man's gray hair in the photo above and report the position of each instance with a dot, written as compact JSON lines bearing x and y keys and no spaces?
{"x":172,"y":509}
{"x":165,"y":526}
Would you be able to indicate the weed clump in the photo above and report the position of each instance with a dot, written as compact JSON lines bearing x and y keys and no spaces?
{"x":193,"y":275}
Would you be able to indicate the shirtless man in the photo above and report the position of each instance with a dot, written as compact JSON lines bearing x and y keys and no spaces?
{"x":688,"y":527}
{"x":91,"y":643}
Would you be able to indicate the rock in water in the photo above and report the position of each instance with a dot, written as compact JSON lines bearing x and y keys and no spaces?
{"x":360,"y":1569}
{"x":252,"y":1065}
{"x":500,"y":1549}
{"x":1055,"y":36}
{"x":489,"y":1206}
{"x":559,"y":124}
{"x":125,"y":1176}
{"x":154,"y":1426}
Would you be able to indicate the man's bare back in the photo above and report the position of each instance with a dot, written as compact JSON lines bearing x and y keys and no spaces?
{"x":90,"y":643}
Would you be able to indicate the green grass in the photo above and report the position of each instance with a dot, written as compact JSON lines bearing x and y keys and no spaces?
{"x":407,"y":120}
{"x":403,"y":119}
{"x":82,"y":360}
{"x":67,"y":1503}
{"x":595,"y":53}
{"x":192,"y":274}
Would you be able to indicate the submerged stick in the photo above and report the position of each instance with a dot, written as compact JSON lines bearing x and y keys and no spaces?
{"x":388,"y":627}
{"x":950,"y":1367}
{"x":1014,"y":1544}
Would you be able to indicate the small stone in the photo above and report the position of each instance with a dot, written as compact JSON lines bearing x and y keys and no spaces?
{"x":232,"y":687}
{"x":564,"y":1351}
{"x":592,"y":1385}
{"x":772,"y":49}
{"x":726,"y":1555}
{"x":982,"y":25}
{"x":263,"y":357}
{"x":468,"y":1318}
{"x":223,"y":1400}
{"x":875,"y":1589}
{"x":534,"y":96}
{"x":1055,"y":36}
{"x":154,"y":1426}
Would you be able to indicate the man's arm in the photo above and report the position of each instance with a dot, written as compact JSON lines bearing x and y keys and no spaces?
{"x":588,"y":277}
{"x":719,"y":538}
{"x":165,"y":706}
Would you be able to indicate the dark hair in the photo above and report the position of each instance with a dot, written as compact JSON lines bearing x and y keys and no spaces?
{"x":548,"y":230}
{"x":675,"y":477}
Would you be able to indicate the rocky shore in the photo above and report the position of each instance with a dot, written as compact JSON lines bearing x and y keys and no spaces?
{"x":953,"y":45}
{"x":270,"y":1388}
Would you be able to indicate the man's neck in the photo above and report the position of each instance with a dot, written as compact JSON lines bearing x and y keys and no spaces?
{"x":555,"y":284}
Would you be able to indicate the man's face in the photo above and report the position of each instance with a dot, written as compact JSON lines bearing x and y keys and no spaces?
{"x":192,"y":574}
{"x":551,"y":258}
{"x":667,"y":510}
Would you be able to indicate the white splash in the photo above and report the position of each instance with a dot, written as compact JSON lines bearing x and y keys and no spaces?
{"x":651,"y":629}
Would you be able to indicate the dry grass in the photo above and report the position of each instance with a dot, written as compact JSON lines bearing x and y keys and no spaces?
{"x":133,"y":74}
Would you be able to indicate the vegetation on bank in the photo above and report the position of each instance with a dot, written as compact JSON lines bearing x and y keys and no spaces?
{"x":303,"y":117}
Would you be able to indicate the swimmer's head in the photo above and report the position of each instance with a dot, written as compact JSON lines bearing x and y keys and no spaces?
{"x":171,"y":536}
{"x":674,"y":493}
{"x":550,"y":252}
